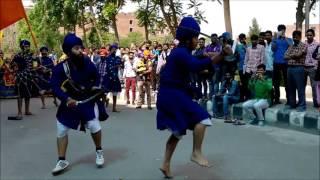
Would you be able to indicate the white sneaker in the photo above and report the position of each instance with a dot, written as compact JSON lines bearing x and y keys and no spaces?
{"x":61,"y":166}
{"x":99,"y":158}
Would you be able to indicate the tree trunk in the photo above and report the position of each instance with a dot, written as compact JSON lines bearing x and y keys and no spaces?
{"x":227,"y":16}
{"x":115,"y":28}
{"x":167,"y":19}
{"x":146,"y":31}
{"x":93,"y":22}
{"x":299,"y":15}
{"x":84,"y":28}
{"x":174,"y":14}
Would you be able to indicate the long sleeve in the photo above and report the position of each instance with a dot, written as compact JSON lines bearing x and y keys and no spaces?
{"x":223,"y":87}
{"x":262,"y":55}
{"x":246,"y":60}
{"x":58,"y":77}
{"x":233,"y":89}
{"x":251,"y":83}
{"x":95,"y":73}
{"x":274,"y":46}
{"x":193,"y":64}
{"x":269,"y":84}
{"x":287,"y":54}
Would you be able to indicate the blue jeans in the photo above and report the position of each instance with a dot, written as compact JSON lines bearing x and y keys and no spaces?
{"x":296,"y":82}
{"x":216,"y":80}
{"x":226,"y":99}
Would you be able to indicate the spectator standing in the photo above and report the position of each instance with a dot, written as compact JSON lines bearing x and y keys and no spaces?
{"x":311,"y":64}
{"x":295,"y":55}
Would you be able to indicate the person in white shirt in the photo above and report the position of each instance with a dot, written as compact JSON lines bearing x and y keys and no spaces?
{"x":268,"y":54}
{"x":163,"y":57}
{"x":129,"y":74}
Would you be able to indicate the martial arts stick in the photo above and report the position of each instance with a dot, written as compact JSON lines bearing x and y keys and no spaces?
{"x":190,"y":29}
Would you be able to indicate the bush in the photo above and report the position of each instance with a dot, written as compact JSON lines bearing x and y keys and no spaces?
{"x":133,"y":37}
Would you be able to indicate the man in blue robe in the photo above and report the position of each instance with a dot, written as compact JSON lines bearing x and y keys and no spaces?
{"x":176,"y":110}
{"x":80,"y":73}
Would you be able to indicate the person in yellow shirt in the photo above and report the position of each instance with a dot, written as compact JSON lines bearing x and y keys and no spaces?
{"x":62,"y":58}
{"x":143,"y":68}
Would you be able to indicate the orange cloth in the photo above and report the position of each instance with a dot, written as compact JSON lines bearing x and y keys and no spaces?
{"x":103,"y":52}
{"x":8,"y":76}
{"x":10,"y":12}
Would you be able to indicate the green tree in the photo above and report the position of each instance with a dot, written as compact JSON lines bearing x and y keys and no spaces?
{"x":133,"y":37}
{"x":171,"y":11}
{"x":110,"y":10}
{"x":146,"y":16}
{"x":94,"y":39}
{"x":45,"y":32}
{"x":198,"y":14}
{"x":254,"y":28}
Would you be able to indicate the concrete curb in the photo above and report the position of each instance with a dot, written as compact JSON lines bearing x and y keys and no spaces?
{"x":279,"y":115}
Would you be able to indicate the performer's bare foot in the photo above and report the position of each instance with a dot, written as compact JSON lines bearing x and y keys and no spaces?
{"x":28,"y":113}
{"x":199,"y":159}
{"x":19,"y":116}
{"x":165,"y":169}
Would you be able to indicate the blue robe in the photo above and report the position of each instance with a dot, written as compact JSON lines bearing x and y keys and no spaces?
{"x":47,"y":62}
{"x":111,"y":81}
{"x":176,"y":110}
{"x":86,"y":77}
{"x":26,"y":77}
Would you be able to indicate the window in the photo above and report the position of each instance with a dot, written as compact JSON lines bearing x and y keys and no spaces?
{"x":130,"y":21}
{"x":130,"y":29}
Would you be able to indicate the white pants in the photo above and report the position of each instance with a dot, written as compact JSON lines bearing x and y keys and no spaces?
{"x":258,"y":105}
{"x":93,"y":125}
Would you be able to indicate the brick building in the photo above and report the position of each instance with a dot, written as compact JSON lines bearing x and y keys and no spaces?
{"x":315,"y":27}
{"x":127,"y":22}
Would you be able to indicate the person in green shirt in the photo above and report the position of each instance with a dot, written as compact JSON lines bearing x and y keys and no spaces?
{"x":261,"y":87}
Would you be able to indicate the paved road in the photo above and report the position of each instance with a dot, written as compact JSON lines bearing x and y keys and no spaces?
{"x":134,"y":150}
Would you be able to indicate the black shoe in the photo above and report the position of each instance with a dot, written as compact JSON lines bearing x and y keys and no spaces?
{"x":150,"y":108}
{"x":138,"y":107}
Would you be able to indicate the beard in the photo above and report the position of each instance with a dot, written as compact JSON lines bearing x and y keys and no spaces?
{"x":77,"y":60}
